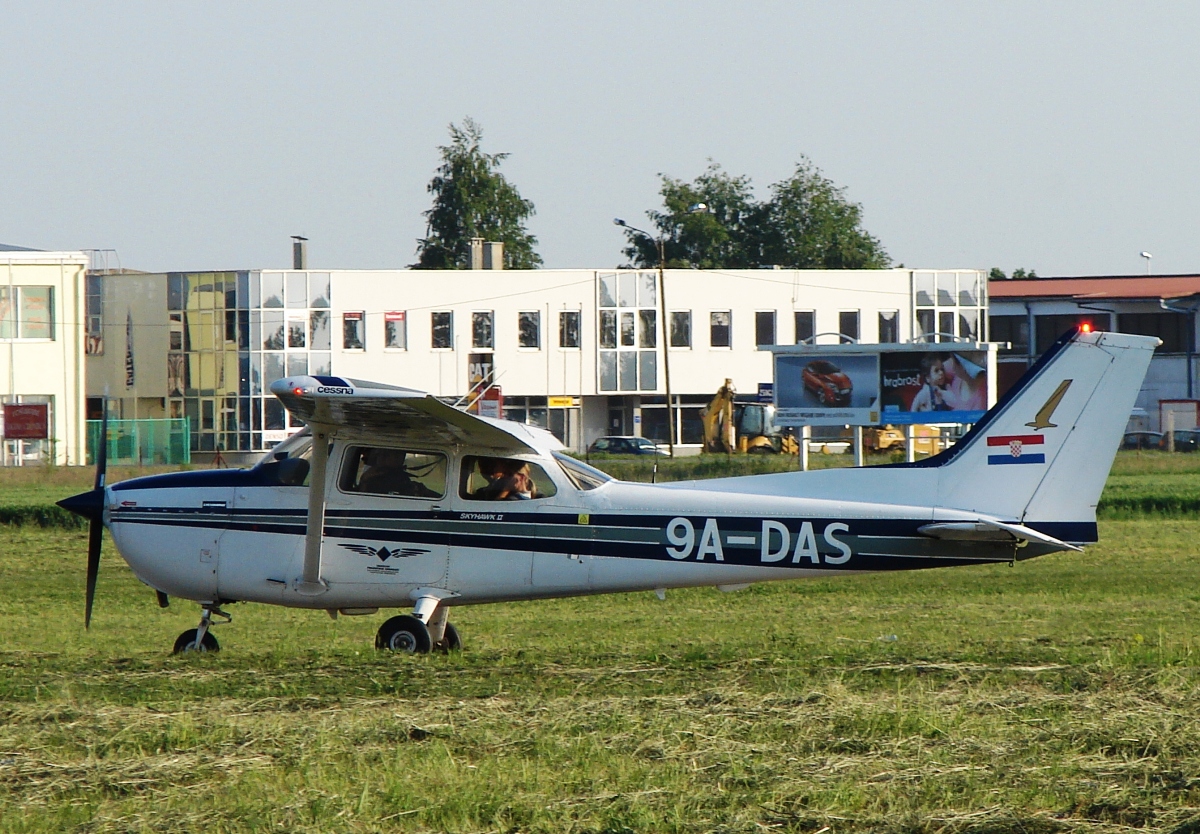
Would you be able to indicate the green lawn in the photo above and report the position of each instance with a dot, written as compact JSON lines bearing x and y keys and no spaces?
{"x":1057,"y":695}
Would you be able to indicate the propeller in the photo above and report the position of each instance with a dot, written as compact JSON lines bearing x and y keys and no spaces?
{"x":90,"y":505}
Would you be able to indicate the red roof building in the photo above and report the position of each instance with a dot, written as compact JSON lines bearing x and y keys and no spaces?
{"x":1030,"y":314}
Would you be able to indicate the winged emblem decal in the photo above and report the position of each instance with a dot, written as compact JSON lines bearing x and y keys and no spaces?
{"x":383,"y":553}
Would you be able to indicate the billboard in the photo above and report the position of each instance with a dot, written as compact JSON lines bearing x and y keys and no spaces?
{"x":833,"y":388}
{"x":934,"y":387}
{"x":868,"y":385}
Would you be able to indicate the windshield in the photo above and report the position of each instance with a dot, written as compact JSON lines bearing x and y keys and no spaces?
{"x":299,"y":445}
{"x":582,"y":476}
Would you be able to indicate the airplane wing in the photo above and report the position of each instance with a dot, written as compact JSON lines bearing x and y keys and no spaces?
{"x":401,"y":414}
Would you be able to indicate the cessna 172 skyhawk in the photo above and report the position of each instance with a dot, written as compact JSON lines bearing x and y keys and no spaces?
{"x":390,"y":498}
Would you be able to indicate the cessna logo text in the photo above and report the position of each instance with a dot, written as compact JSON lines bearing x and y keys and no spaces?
{"x":325,"y":389}
{"x":776,"y":542}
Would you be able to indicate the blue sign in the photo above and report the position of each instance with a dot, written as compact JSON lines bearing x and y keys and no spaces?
{"x":766,"y":392}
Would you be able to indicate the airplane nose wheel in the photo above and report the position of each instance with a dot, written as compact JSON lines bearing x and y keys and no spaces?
{"x":404,"y":634}
{"x":200,"y":639}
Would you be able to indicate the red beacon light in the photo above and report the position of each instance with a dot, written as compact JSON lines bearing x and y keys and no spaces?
{"x":1086,"y":327}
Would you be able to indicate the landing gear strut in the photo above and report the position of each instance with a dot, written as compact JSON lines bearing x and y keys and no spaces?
{"x":200,"y":639}
{"x":422,"y":631}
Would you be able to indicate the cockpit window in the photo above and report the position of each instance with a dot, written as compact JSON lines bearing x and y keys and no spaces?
{"x":582,"y":476}
{"x":401,"y":472}
{"x":299,"y":445}
{"x":288,"y":463}
{"x":503,"y":479}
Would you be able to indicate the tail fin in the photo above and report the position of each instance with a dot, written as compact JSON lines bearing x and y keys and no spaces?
{"x":1042,"y":454}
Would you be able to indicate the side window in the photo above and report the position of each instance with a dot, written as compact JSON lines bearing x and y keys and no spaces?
{"x":503,"y":479}
{"x":399,"y":472}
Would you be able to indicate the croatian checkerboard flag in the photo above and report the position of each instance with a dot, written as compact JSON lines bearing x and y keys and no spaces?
{"x":1016,"y":453}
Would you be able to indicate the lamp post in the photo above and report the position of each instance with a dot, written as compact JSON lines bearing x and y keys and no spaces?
{"x":662,"y":312}
{"x":1147,"y":256}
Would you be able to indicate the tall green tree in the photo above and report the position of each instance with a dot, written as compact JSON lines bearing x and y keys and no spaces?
{"x":471,"y":198}
{"x":807,"y":223}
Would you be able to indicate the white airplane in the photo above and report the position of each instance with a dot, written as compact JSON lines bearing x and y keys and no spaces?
{"x":390,"y":499}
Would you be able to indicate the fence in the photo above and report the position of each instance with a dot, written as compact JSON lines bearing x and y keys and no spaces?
{"x":143,"y":442}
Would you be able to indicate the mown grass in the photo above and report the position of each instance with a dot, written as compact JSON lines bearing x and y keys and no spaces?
{"x":1058,"y":695}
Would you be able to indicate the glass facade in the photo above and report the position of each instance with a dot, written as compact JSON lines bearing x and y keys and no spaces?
{"x":231,"y":335}
{"x":949,"y":306}
{"x":627,"y":359}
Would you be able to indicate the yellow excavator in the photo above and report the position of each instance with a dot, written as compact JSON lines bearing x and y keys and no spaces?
{"x":749,"y":427}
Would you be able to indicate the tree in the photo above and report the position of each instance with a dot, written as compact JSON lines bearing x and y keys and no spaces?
{"x":808,"y":223}
{"x":471,"y":198}
{"x":997,"y":274}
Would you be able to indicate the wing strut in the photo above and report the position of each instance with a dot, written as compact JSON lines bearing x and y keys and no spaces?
{"x":311,"y":583}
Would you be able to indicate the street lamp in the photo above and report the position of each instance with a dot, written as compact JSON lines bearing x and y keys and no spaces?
{"x":662,"y":314}
{"x":1147,"y":256}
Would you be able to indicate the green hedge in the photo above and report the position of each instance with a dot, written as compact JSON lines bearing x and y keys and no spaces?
{"x":41,"y":515}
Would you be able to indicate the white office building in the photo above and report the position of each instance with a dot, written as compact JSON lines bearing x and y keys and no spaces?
{"x":41,"y":351}
{"x":578,"y":351}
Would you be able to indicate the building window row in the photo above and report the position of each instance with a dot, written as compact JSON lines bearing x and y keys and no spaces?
{"x":441,"y":323}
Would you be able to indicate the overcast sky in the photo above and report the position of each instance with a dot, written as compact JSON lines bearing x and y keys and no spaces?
{"x":1061,"y":137}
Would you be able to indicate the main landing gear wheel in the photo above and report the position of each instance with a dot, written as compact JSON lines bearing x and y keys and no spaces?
{"x":450,"y":641}
{"x":187,"y":642}
{"x":405,"y":634}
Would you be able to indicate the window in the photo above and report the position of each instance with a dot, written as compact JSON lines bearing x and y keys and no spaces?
{"x":608,"y":329}
{"x":26,"y":312}
{"x":297,"y":330}
{"x":95,"y":316}
{"x":529,"y":329}
{"x":681,"y":328}
{"x":482,"y":330}
{"x":889,"y":326}
{"x":647,"y":329}
{"x":1172,"y":328}
{"x":503,"y":479}
{"x":395,"y":331}
{"x":1012,"y":329}
{"x":568,"y":328}
{"x":848,"y":324}
{"x":441,"y":331}
{"x":764,"y":328}
{"x":400,"y":472}
{"x":719,"y":325}
{"x":806,"y":325}
{"x":352,"y":331}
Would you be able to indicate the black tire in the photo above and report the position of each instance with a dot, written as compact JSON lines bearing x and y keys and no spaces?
{"x":761,"y":450}
{"x":450,"y":641}
{"x":823,"y":396}
{"x":405,"y":635}
{"x":187,"y":642}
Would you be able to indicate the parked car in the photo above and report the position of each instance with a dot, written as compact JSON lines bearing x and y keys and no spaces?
{"x":827,"y":383}
{"x":1186,"y":440}
{"x":1142,"y":440}
{"x":624,"y":446}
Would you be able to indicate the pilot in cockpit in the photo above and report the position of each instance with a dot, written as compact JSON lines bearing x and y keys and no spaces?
{"x":387,"y":473}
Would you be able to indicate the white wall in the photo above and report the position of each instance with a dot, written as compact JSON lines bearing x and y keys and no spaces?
{"x":50,"y":367}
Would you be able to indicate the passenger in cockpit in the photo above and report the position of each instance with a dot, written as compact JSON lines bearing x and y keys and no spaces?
{"x":386,"y":473}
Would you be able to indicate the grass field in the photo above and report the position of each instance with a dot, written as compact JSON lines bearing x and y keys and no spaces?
{"x":1062,"y":694}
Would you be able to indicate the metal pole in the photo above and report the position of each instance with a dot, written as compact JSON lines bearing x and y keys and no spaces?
{"x":662,"y":304}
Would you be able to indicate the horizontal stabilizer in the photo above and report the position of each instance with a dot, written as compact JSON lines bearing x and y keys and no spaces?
{"x":987,"y":530}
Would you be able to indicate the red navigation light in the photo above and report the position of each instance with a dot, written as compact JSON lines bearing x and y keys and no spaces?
{"x":1086,"y":327}
{"x":298,"y":391}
